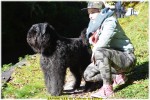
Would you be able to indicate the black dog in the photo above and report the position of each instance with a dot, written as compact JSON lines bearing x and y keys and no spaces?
{"x":58,"y":53}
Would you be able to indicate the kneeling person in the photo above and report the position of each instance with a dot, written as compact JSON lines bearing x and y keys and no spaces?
{"x":112,"y":52}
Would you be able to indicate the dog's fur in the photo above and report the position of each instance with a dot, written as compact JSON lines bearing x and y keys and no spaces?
{"x":58,"y":53}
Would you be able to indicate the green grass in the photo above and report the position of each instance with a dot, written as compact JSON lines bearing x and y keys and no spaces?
{"x":28,"y":82}
{"x":6,"y":66}
{"x":136,"y":28}
{"x":137,"y":90}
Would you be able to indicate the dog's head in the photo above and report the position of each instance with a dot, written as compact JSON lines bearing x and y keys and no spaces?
{"x":39,"y":36}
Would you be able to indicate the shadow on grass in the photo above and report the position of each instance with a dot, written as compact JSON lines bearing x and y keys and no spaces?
{"x":92,"y":86}
{"x":69,"y":92}
{"x":138,"y":73}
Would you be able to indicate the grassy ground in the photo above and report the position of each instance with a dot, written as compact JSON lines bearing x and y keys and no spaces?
{"x":27,"y":81}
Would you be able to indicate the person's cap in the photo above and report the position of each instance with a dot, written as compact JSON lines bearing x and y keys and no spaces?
{"x":96,"y":4}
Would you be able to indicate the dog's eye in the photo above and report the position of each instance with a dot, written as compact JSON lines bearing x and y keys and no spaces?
{"x":34,"y":31}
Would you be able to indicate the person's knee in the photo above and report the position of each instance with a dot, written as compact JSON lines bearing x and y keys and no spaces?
{"x":87,"y":73}
{"x":87,"y":76}
{"x":90,"y":72}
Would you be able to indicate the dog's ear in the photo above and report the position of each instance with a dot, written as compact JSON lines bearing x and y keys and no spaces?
{"x":48,"y":39}
{"x":49,"y":29}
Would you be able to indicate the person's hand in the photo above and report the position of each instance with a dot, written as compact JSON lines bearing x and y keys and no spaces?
{"x":91,"y":40}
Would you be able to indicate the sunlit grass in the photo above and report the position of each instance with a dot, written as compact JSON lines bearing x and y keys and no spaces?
{"x":28,"y":82}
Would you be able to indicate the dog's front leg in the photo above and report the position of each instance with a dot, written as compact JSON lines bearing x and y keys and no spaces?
{"x":57,"y":79}
{"x":54,"y":74}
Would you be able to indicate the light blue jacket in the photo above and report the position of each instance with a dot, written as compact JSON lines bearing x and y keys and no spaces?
{"x":112,"y":36}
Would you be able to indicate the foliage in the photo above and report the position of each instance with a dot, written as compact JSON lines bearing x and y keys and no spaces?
{"x":6,"y":66}
{"x":126,"y":4}
{"x":28,"y":82}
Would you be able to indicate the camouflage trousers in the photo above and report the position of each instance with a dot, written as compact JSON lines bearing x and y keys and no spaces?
{"x":109,"y":62}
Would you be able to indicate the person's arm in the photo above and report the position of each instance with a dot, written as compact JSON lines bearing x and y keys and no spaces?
{"x":107,"y":33}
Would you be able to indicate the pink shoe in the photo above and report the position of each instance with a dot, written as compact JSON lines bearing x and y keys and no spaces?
{"x":104,"y":92}
{"x":119,"y":80}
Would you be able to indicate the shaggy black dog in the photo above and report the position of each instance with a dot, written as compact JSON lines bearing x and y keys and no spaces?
{"x":58,"y":53}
